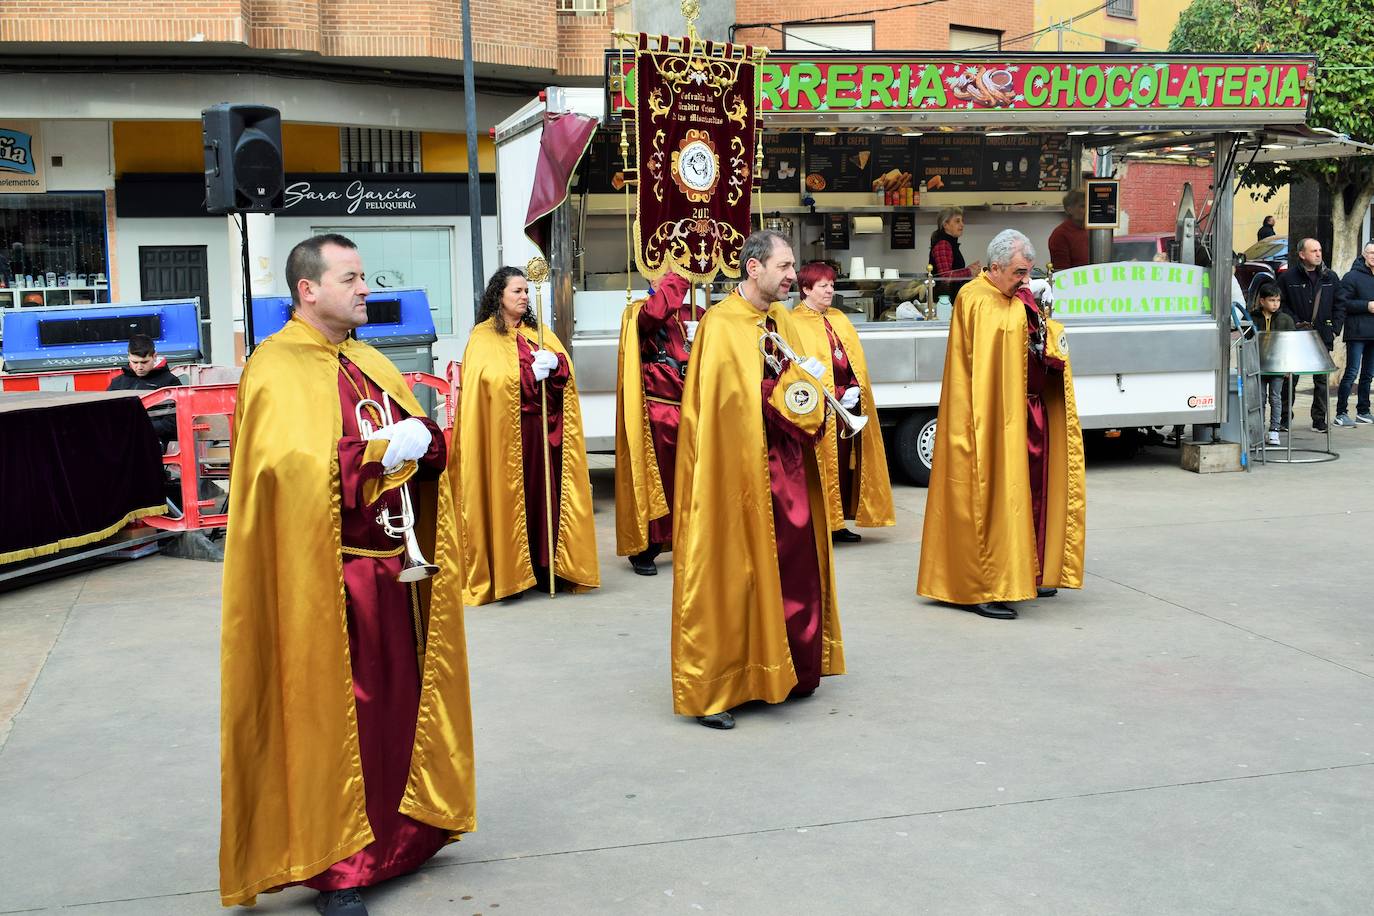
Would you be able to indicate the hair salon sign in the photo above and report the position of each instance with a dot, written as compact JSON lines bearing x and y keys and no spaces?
{"x":21,"y":160}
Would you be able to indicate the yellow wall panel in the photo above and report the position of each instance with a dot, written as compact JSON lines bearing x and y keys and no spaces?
{"x":310,"y":148}
{"x":157,"y":146}
{"x":449,"y":153}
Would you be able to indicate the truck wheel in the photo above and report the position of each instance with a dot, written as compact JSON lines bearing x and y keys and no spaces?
{"x":916,"y":446}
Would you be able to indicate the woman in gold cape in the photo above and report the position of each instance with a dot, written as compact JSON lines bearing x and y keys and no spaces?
{"x":979,"y":543}
{"x":498,"y":468}
{"x":823,"y":330}
{"x":292,"y":787}
{"x":729,"y":639}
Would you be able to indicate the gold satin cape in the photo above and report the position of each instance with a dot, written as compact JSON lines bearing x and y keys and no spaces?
{"x":873,"y":501}
{"x":978,"y":543}
{"x":729,"y":639}
{"x":291,"y":773}
{"x":639,"y":495}
{"x":493,"y":474}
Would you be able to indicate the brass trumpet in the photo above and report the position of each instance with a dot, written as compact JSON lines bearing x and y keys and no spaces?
{"x":851,"y":424}
{"x":402,"y":526}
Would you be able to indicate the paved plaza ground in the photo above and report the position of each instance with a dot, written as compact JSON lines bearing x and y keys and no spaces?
{"x":1191,"y":733}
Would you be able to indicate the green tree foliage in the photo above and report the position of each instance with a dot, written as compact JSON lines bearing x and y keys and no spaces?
{"x":1340,"y":34}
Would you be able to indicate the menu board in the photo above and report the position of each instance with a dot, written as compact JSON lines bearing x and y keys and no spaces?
{"x":782,"y":163}
{"x":902,"y":233}
{"x":950,"y":162}
{"x":1010,"y":163}
{"x":894,"y":163}
{"x":1055,"y":168}
{"x":840,"y":163}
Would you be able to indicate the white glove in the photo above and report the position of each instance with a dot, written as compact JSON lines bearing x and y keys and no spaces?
{"x":850,"y":399}
{"x":408,"y":441}
{"x":545,"y":361}
{"x":691,"y":327}
{"x":1042,"y":290}
{"x":813,"y":367}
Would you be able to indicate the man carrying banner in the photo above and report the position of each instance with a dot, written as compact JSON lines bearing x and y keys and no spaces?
{"x":656,"y":336}
{"x":1005,"y":509}
{"x":754,"y":610}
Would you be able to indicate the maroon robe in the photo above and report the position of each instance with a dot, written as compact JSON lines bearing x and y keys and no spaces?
{"x":798,"y":565}
{"x":532,"y":450}
{"x":844,"y":379}
{"x":1038,"y":366}
{"x":382,"y":647}
{"x":663,"y":354}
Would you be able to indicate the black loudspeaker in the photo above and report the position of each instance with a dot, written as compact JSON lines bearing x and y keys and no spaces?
{"x":243,"y":158}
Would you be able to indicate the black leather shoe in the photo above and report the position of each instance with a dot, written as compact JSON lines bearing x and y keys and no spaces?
{"x":347,"y":902}
{"x":1046,"y":592}
{"x":993,"y":609}
{"x":642,"y":566}
{"x":845,"y":536}
{"x":721,"y":720}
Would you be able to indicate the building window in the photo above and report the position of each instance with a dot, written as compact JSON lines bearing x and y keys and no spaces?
{"x":831,"y":36}
{"x":963,"y":38}
{"x":52,"y":249}
{"x":582,"y":6}
{"x":404,"y":257}
{"x":378,"y":151}
{"x":1121,"y":9}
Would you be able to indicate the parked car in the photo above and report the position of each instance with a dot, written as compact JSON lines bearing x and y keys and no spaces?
{"x":1140,"y":247}
{"x":1264,"y":260}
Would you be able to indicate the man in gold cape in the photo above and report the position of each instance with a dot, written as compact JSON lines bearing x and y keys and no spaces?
{"x":494,"y":459}
{"x":656,"y":336}
{"x":1005,"y":509}
{"x":346,"y":745}
{"x":828,"y":335}
{"x":754,"y":610}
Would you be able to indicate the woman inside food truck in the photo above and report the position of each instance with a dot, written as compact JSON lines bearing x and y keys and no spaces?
{"x":945,"y":255}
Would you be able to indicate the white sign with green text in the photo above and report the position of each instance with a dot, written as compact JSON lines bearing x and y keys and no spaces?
{"x":1132,"y":289}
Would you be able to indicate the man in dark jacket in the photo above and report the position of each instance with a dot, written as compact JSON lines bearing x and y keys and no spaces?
{"x":1308,"y":288}
{"x":1355,"y":315}
{"x":148,"y":372}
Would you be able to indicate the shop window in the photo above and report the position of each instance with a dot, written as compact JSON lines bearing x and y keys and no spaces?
{"x":404,"y":258}
{"x":837,"y":36}
{"x":53,"y":249}
{"x":371,"y":150}
{"x":963,"y":38}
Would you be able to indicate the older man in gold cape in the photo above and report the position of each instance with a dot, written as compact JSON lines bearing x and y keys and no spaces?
{"x":1005,"y":509}
{"x":754,"y":610}
{"x":346,"y":744}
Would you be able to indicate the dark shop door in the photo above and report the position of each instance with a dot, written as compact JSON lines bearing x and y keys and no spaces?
{"x":177,"y":272}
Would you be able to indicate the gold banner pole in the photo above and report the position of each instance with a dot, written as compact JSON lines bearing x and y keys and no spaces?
{"x":538,"y":271}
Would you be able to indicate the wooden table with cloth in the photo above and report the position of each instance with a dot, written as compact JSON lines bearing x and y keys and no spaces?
{"x":75,"y":468}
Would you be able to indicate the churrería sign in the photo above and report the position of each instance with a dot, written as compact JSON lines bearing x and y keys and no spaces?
{"x":795,"y":84}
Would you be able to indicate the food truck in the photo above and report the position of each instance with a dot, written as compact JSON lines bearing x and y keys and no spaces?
{"x":863,"y":150}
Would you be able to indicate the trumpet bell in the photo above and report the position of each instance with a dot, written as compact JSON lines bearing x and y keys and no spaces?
{"x":416,"y":567}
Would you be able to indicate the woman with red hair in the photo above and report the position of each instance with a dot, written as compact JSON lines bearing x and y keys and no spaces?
{"x":853,"y":471}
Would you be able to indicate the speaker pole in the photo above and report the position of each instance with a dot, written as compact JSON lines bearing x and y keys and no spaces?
{"x":474,"y":178}
{"x":247,"y":286}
